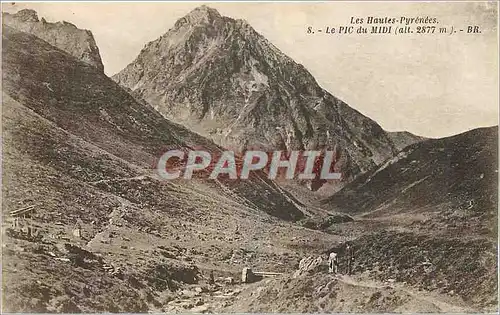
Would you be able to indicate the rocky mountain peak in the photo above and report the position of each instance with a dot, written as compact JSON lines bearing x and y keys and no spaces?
{"x":219,"y":77}
{"x":66,"y":36}
{"x":26,"y":15}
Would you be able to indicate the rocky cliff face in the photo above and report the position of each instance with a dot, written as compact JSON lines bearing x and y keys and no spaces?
{"x":219,"y":77}
{"x":63,"y":35}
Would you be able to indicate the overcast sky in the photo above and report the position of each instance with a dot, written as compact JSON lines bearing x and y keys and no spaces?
{"x":429,"y":85}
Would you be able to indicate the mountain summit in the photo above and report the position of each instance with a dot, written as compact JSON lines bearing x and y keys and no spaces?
{"x":202,"y":14}
{"x":219,"y":77}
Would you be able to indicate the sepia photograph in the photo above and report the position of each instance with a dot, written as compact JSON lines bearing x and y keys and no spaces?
{"x":249,"y":157}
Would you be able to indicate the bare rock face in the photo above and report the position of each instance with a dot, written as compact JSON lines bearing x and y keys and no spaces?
{"x":307,"y":265}
{"x":63,"y":35}
{"x":222,"y":79}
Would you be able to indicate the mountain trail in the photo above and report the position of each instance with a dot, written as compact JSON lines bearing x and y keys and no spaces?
{"x":443,"y":303}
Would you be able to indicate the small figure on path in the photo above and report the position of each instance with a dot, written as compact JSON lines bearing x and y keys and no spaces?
{"x":333,"y":263}
{"x":350,"y":258}
{"x":211,"y":278}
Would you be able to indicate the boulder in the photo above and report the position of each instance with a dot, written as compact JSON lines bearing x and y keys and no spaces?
{"x":308,"y":265}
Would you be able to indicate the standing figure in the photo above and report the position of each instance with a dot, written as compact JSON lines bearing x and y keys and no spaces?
{"x":350,"y":258}
{"x":333,"y":263}
{"x":211,"y":278}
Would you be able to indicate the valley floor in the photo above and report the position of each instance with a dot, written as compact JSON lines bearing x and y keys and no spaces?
{"x":170,"y":274}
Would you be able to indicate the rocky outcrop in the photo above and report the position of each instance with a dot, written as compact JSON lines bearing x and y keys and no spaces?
{"x":402,"y":139}
{"x":308,"y":265}
{"x":63,"y":35}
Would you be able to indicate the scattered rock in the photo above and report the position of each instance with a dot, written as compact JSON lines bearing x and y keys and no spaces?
{"x":307,"y":265}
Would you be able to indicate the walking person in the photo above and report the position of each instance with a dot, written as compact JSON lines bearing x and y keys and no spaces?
{"x":333,"y":263}
{"x":350,"y":258}
{"x":211,"y":278}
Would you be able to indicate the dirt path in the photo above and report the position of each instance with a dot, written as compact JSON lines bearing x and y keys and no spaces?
{"x":122,"y":179}
{"x":445,"y":304}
